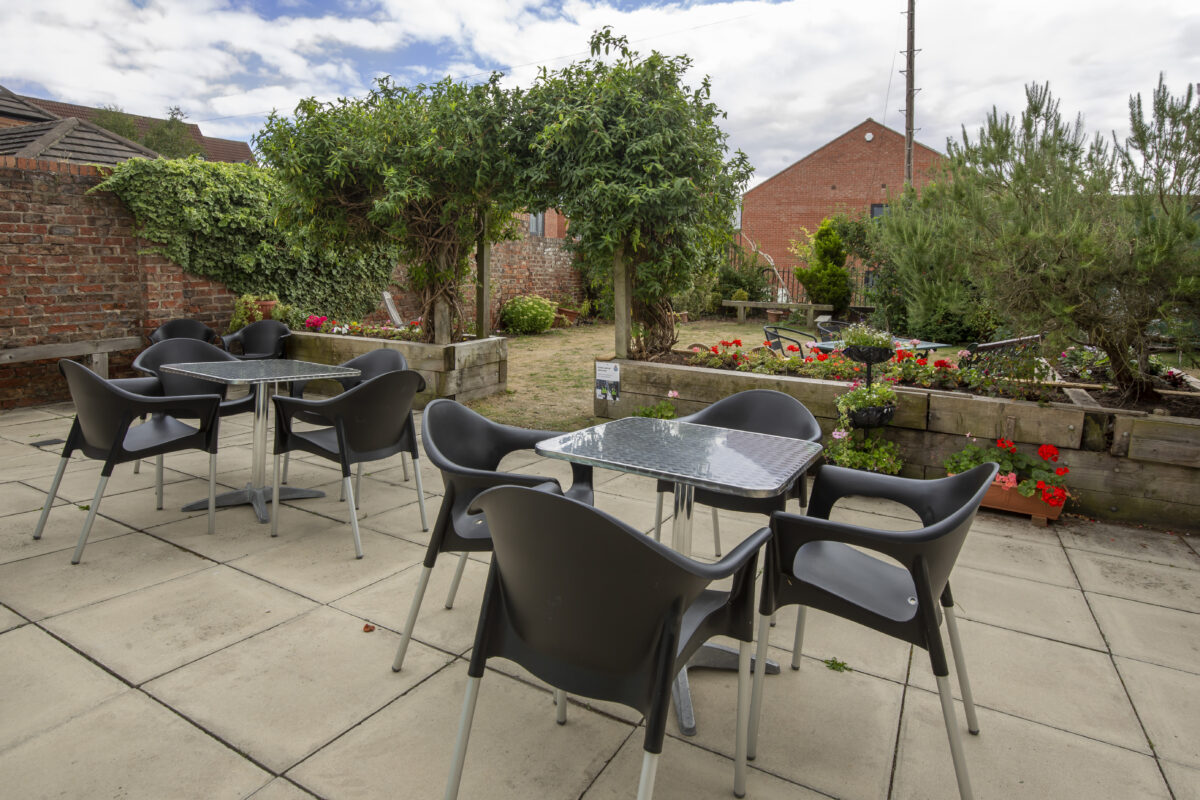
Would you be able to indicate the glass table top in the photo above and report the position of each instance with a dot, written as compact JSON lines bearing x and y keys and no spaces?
{"x":269,"y":370}
{"x":735,"y":462}
{"x":906,"y":344}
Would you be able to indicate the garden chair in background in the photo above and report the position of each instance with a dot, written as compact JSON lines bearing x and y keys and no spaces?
{"x":778,"y":337}
{"x":183,"y":329}
{"x":258,"y":340}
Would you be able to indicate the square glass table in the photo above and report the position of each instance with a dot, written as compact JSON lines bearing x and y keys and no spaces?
{"x":735,"y":462}
{"x":266,"y":374}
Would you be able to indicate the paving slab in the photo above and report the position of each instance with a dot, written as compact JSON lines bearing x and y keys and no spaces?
{"x":18,"y":417}
{"x":128,"y":747}
{"x":1014,"y":758}
{"x":1173,"y":587}
{"x":376,"y":498}
{"x":16,"y":498}
{"x":285,"y":693}
{"x":1042,"y":561}
{"x":61,"y":533}
{"x":236,"y":534}
{"x":138,"y":508}
{"x":281,"y":789}
{"x":827,"y":636}
{"x":29,"y":464}
{"x":9,"y":619}
{"x":1184,"y":781}
{"x":1143,"y":632}
{"x":516,"y":750}
{"x":1169,"y":703}
{"x":1123,"y":540}
{"x":78,"y":484}
{"x":1042,"y":609}
{"x":45,"y":684}
{"x":145,"y":634}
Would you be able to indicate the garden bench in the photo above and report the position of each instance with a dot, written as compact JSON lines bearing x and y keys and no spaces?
{"x":809,"y":309}
{"x":96,"y":349}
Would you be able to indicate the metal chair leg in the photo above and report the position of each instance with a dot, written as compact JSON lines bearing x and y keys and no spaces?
{"x":353,"y":509}
{"x":801,"y":613}
{"x":956,"y":749}
{"x":404,"y":465}
{"x":464,"y":735}
{"x":743,"y":718}
{"x":58,"y":474}
{"x":649,"y":771}
{"x":420,"y":491}
{"x":658,"y":518}
{"x":137,"y":467}
{"x":411,"y":621}
{"x":458,"y":573}
{"x":158,"y":480}
{"x":716,"y":533}
{"x":960,"y":666}
{"x":760,"y":660}
{"x":287,"y":460}
{"x":275,"y":498}
{"x":91,"y":517}
{"x":560,"y":702}
{"x":358,"y":485}
{"x":212,"y":493}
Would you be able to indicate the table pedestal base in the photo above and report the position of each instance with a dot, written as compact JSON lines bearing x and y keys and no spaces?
{"x":709,"y":656}
{"x":259,"y":496}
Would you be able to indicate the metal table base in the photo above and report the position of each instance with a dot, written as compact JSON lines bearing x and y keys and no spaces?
{"x":257,"y":496}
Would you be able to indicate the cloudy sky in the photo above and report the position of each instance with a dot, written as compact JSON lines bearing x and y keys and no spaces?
{"x":791,"y":74}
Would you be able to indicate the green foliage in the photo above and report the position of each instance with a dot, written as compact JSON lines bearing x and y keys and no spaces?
{"x":527,"y":314}
{"x":113,"y":118}
{"x":635,"y":159}
{"x":739,"y":295}
{"x":660,"y":410}
{"x":429,"y":170}
{"x":824,"y":276}
{"x":217,"y":220}
{"x":837,"y":665}
{"x":865,"y":336}
{"x":1026,"y":474}
{"x":245,"y":311}
{"x":171,"y":137}
{"x":866,"y":451}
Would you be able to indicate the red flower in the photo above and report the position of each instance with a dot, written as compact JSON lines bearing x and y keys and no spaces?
{"x":737,"y":342}
{"x":793,"y":348}
{"x":822,"y":357}
{"x":716,"y":352}
{"x":766,"y":343}
{"x":922,"y":361}
{"x":1048,"y":452}
{"x":942,"y":363}
{"x":1003,"y":443}
{"x":808,"y":359}
{"x":1061,"y":471}
{"x":725,"y":343}
{"x":1041,"y":484}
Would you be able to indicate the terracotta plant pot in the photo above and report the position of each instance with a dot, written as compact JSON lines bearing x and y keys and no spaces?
{"x":1039,"y":511}
{"x":776,"y":315}
{"x":265,"y":307}
{"x":569,"y":314}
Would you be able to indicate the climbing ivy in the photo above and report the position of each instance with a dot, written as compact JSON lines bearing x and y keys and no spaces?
{"x":218,"y":220}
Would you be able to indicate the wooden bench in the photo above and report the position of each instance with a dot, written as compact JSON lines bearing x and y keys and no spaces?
{"x":98,"y":351}
{"x":809,"y":309}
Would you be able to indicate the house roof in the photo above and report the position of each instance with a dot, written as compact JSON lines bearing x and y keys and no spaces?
{"x":73,"y":140}
{"x":15,"y":108}
{"x":213,"y":149}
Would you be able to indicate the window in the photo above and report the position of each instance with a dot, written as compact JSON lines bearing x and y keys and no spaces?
{"x":878,"y":209}
{"x":537,"y":224}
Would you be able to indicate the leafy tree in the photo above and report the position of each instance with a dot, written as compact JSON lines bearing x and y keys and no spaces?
{"x":429,"y":170}
{"x":637,"y":162}
{"x":1069,"y":234}
{"x":113,"y":118}
{"x":171,"y":137}
{"x":824,"y":275}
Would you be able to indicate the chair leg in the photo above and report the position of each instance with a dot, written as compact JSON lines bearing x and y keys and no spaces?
{"x":287,"y":460}
{"x":91,"y":517}
{"x":275,"y":499}
{"x":464,"y":735}
{"x":760,"y":661}
{"x":158,"y":480}
{"x":358,"y":485}
{"x":658,"y":518}
{"x":458,"y":573}
{"x":743,"y":718}
{"x":411,"y":622}
{"x":58,"y":474}
{"x":353,"y":509}
{"x":716,"y":533}
{"x":649,"y":770}
{"x":137,"y":467}
{"x":404,"y":465}
{"x":960,"y":666}
{"x":956,"y":750}
{"x":801,"y":613}
{"x":212,"y":493}
{"x":560,"y":702}
{"x":420,"y":490}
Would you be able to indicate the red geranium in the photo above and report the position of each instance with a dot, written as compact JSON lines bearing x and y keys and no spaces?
{"x":1048,"y":452}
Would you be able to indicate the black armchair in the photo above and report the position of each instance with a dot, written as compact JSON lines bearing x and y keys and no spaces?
{"x":779,"y":337}
{"x":262,"y":339}
{"x":760,"y":411}
{"x":183,"y":329}
{"x":366,"y":423}
{"x":468,"y":448}
{"x":591,"y":606}
{"x":185,"y":351}
{"x":813,"y":562}
{"x":831,"y":330}
{"x":103,"y":429}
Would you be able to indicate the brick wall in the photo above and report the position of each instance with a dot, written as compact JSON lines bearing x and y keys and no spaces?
{"x":846,"y":175}
{"x":71,"y":270}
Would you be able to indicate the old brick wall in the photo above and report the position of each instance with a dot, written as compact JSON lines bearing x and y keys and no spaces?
{"x":846,"y":175}
{"x":71,"y":269}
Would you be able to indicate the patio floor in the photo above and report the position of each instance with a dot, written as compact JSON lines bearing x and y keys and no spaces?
{"x":173,"y":664}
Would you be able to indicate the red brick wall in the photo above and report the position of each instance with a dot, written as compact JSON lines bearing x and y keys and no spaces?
{"x":846,"y":175}
{"x":71,"y":270}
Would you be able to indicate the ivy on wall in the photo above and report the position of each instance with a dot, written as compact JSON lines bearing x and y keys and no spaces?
{"x":219,"y":221}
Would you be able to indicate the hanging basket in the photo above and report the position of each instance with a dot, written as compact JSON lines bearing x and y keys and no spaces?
{"x":871,"y":416}
{"x":868,"y":355}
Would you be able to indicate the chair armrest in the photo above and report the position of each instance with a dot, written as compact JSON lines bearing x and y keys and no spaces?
{"x":230,"y":338}
{"x":150,"y":385}
{"x":200,"y":406}
{"x":740,"y":556}
{"x":793,"y":531}
{"x":833,"y":483}
{"x":287,"y":407}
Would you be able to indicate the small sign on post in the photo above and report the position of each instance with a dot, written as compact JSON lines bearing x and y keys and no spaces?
{"x":608,"y":380}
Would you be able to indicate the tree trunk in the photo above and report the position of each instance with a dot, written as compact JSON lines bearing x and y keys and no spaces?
{"x":622,"y":303}
{"x":1131,"y":382}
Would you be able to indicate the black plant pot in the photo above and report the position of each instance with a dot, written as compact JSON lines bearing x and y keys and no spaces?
{"x":872,"y":416}
{"x":868,"y":355}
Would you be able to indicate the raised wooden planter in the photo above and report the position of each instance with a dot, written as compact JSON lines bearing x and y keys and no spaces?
{"x":460,"y":371}
{"x":1127,"y":466}
{"x":1002,"y":499}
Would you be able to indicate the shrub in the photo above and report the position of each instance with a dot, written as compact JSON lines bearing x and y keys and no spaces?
{"x":826,"y":280}
{"x":527,"y":314}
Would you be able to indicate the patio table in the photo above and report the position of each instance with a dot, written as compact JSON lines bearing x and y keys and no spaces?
{"x":266,"y":374}
{"x":921,"y":346}
{"x":690,"y":456}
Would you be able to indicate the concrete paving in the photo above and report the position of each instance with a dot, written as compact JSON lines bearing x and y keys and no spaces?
{"x":172,"y":663}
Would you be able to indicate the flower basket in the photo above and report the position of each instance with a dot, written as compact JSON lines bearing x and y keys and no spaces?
{"x":871,"y":416}
{"x":1003,"y":499}
{"x":868,"y":355}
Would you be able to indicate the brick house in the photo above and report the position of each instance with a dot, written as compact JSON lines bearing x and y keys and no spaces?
{"x":855,"y":173}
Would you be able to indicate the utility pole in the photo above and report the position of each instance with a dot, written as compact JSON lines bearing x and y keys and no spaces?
{"x":910,"y":92}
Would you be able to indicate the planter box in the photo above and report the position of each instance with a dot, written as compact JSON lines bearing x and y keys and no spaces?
{"x":460,"y":371}
{"x":1002,"y":499}
{"x":1125,"y":466}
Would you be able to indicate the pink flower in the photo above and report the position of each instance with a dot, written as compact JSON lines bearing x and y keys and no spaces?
{"x":672,"y":394}
{"x":964,"y":353}
{"x":1008,"y":481}
{"x":914,"y":342}
{"x":840,"y":434}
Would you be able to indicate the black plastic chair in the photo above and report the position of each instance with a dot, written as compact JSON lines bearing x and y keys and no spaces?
{"x":183,"y":329}
{"x":813,"y":562}
{"x":468,"y":448}
{"x":103,"y":429}
{"x":760,"y":411}
{"x":831,"y":330}
{"x":185,"y":351}
{"x":262,"y":339}
{"x":366,"y":423}
{"x":778,"y":337}
{"x":594,"y":608}
{"x":369,"y":365}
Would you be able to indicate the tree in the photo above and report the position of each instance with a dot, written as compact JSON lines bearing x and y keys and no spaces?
{"x":824,"y":275}
{"x":171,"y":137}
{"x":429,"y":169}
{"x":636,"y":161}
{"x":114,"y":118}
{"x":1069,"y":234}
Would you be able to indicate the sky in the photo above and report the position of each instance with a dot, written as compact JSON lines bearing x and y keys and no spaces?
{"x":791,"y":75}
